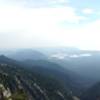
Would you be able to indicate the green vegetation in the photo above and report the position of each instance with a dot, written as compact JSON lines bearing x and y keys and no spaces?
{"x":39,"y":83}
{"x":22,"y":84}
{"x":19,"y":95}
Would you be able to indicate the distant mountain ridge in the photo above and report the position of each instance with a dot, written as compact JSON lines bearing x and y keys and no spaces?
{"x":27,"y":54}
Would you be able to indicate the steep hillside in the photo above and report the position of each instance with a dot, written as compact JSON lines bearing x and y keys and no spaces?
{"x":68,"y":78}
{"x":92,"y":93}
{"x":20,"y":84}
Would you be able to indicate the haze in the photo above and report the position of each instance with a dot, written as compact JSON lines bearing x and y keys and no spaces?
{"x":49,"y":23}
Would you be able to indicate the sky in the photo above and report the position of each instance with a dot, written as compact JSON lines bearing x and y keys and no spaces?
{"x":50,"y":23}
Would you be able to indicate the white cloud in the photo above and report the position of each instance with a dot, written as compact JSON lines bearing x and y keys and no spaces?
{"x":91,"y":35}
{"x":58,"y":1}
{"x":16,"y":17}
{"x":34,"y":26}
{"x":35,"y":3}
{"x":59,"y":56}
{"x":88,"y":11}
{"x":29,"y":27}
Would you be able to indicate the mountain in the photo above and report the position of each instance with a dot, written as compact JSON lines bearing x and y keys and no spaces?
{"x":68,"y":51}
{"x":52,"y":50}
{"x":68,"y":78}
{"x":30,"y":78}
{"x":38,"y":62}
{"x":92,"y":93}
{"x":84,"y":63}
{"x":21,"y":55}
{"x":19,"y":83}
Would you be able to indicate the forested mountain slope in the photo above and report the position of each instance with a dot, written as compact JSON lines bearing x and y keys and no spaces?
{"x":20,"y":84}
{"x":92,"y":93}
